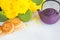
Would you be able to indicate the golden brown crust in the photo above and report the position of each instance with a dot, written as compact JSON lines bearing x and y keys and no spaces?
{"x":0,"y":30}
{"x":7,"y":27}
{"x":12,"y":25}
{"x":16,"y":22}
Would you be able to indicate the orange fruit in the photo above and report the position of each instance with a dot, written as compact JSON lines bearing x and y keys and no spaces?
{"x":7,"y":27}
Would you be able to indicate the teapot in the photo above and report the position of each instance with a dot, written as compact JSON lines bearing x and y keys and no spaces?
{"x":49,"y":15}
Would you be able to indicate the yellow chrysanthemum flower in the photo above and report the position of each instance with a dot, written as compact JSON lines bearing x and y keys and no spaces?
{"x":11,"y":14}
{"x":13,"y":7}
{"x":23,"y":7}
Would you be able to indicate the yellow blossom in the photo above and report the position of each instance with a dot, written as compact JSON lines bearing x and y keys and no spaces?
{"x":13,"y":7}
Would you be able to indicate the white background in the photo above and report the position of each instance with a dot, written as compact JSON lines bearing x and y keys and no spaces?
{"x":40,"y":32}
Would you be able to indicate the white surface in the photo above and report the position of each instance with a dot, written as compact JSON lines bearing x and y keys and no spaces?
{"x":40,"y":32}
{"x":36,"y":32}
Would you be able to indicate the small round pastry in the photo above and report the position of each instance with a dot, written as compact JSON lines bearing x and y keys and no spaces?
{"x":49,"y":16}
{"x":0,"y":30}
{"x":16,"y":22}
{"x":7,"y":27}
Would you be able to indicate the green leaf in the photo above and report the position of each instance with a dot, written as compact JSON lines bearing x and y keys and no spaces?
{"x":2,"y":17}
{"x":38,"y":2}
{"x":25,"y":17}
